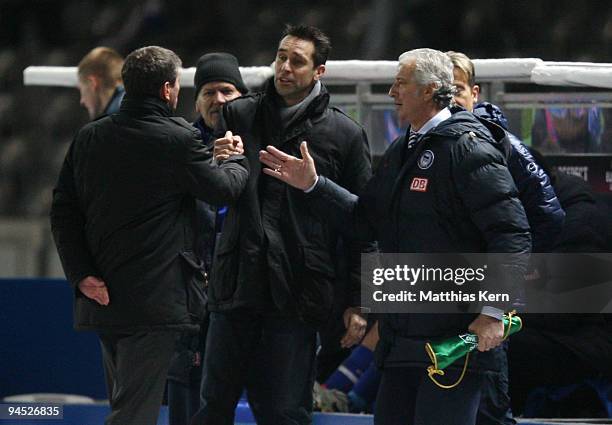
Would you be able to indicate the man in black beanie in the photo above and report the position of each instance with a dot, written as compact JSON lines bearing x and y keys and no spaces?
{"x":217,"y":80}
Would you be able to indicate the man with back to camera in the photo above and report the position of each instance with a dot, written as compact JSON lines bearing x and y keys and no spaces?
{"x":122,"y":219}
{"x":99,"y":80}
{"x":467,"y":203}
{"x":217,"y":80}
{"x":273,"y":272}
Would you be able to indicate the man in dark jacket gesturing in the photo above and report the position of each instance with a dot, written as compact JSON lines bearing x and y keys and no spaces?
{"x":273,"y":273}
{"x":444,"y":187}
{"x":122,"y":217}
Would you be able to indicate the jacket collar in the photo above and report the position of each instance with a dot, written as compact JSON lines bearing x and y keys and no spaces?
{"x":279,"y":134}
{"x":460,"y":121}
{"x":316,"y":107}
{"x":145,"y":105}
{"x":114,"y":103}
{"x":441,"y":116}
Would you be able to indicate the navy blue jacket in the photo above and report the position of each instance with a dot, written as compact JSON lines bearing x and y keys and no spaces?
{"x":469,"y":204}
{"x":115,"y":102}
{"x":536,"y":193}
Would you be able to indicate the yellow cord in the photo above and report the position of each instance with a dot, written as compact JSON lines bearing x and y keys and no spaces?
{"x":431,"y":371}
{"x":507,"y":331}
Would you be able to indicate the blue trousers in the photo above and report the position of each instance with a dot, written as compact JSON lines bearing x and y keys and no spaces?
{"x":272,"y":357}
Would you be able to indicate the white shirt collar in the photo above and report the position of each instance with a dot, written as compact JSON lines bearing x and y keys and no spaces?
{"x":444,"y":114}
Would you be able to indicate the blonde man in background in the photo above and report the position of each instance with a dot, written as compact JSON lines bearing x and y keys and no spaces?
{"x":100,"y":82}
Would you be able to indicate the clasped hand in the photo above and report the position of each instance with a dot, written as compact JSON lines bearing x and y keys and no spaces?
{"x":227,"y":146}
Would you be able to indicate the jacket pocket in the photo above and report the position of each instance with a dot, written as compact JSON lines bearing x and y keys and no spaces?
{"x":224,"y":276}
{"x":317,"y":287}
{"x":196,"y":280}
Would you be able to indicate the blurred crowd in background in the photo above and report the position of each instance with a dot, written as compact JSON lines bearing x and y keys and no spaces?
{"x":37,"y":123}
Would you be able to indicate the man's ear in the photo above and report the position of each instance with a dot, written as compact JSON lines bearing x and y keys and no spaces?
{"x":475,"y":92}
{"x":93,"y":81}
{"x":319,"y":71}
{"x":428,"y":92}
{"x":164,"y":92}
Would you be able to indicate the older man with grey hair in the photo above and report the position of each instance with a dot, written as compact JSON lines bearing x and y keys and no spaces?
{"x":444,"y":187}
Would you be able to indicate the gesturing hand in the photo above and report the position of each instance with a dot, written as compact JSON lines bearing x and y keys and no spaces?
{"x":95,"y":289}
{"x":299,"y":173}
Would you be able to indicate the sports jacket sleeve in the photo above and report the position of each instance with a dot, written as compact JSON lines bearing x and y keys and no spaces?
{"x":543,"y":210}
{"x":212,"y":183}
{"x":358,"y":171}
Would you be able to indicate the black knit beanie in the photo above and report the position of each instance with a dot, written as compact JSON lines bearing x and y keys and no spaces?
{"x":218,"y":67}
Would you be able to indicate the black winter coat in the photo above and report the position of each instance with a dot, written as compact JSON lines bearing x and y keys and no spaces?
{"x":587,"y":336}
{"x":123,"y":211}
{"x":274,"y":254}
{"x":449,"y":194}
{"x":586,"y":227}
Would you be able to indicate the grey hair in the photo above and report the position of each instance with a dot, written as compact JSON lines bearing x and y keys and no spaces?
{"x":432,"y":67}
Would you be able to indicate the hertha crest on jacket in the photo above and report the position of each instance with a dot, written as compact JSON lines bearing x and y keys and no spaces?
{"x":426,"y":159}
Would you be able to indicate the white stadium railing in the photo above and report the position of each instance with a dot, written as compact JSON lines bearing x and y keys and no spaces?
{"x":529,"y":70}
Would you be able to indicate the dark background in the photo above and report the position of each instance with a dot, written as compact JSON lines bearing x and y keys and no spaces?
{"x":37,"y":123}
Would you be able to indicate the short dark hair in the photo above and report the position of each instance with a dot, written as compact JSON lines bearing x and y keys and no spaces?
{"x":322,"y":44}
{"x":147,"y":69}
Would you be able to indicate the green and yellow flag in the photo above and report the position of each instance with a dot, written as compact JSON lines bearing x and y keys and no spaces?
{"x":446,"y":352}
